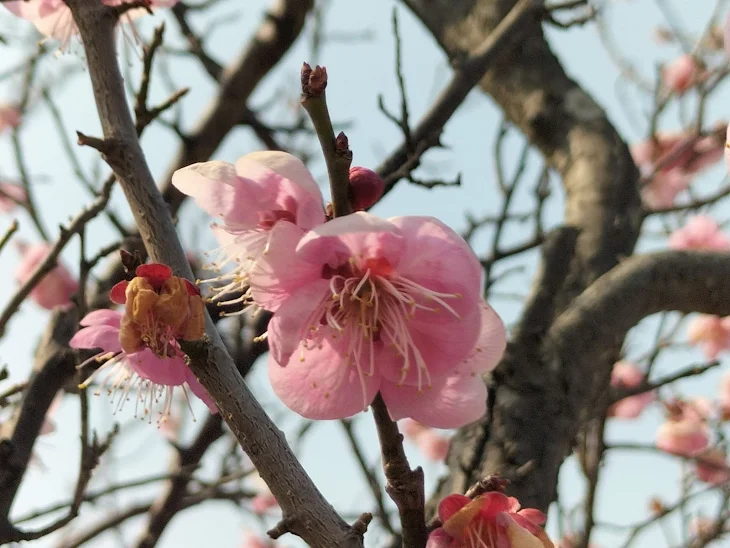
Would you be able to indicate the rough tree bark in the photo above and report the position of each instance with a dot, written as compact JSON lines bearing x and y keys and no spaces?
{"x":535,"y":412}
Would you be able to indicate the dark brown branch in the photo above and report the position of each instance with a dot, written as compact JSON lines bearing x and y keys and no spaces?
{"x":405,"y":486}
{"x":602,"y":205}
{"x":370,"y":477}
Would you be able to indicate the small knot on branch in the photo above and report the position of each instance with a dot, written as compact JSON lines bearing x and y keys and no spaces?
{"x":282,"y":528}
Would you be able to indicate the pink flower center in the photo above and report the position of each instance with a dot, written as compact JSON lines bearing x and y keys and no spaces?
{"x":267,"y":219}
{"x":368,"y":304}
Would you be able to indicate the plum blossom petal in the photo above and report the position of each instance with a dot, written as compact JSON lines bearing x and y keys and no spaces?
{"x":318,"y":386}
{"x":460,"y":398}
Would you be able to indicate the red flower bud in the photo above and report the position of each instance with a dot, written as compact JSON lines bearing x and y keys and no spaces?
{"x":366,"y":188}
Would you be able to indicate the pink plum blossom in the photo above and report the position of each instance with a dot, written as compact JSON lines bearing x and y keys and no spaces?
{"x":627,"y":375}
{"x":10,"y":196}
{"x":56,"y":288}
{"x":682,"y":73}
{"x":700,"y":232}
{"x":712,"y":333}
{"x":154,"y":377}
{"x":381,"y":305}
{"x":491,"y":519}
{"x":712,"y":467}
{"x":9,"y":116}
{"x":684,"y":432}
{"x":267,"y":200}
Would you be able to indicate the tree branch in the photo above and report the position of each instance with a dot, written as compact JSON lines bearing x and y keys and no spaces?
{"x":310,"y":515}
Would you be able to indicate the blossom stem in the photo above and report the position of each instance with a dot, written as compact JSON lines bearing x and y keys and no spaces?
{"x":405,"y":486}
{"x":336,"y":151}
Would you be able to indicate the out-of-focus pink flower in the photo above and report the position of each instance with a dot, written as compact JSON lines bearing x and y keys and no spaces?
{"x":712,"y":333}
{"x":262,"y":503}
{"x":678,"y":157}
{"x":627,"y":375}
{"x":724,"y":397}
{"x":10,"y":196}
{"x":682,"y":73}
{"x":412,"y":429}
{"x":56,"y":288}
{"x":700,"y":232}
{"x":9,"y":116}
{"x":433,"y":445}
{"x":366,"y":187}
{"x":266,"y":201}
{"x":684,"y":432}
{"x":492,"y":519}
{"x":711,"y":467}
{"x":53,"y":18}
{"x":154,"y":377}
{"x":252,"y":540}
{"x":382,"y":305}
{"x":726,"y":35}
{"x":700,"y":526}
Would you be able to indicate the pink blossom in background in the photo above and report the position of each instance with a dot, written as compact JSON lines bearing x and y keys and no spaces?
{"x":10,"y":196}
{"x":726,"y":35}
{"x":679,"y":157}
{"x":262,"y":503}
{"x":382,"y":305}
{"x":684,"y":432}
{"x":266,"y":201}
{"x":153,"y":377}
{"x":253,"y":540}
{"x":491,"y":519}
{"x":700,"y":232}
{"x":627,"y":375}
{"x":711,"y":333}
{"x":712,"y":467}
{"x":700,"y":526}
{"x":724,"y":396}
{"x":433,"y":445}
{"x":53,"y":18}
{"x":9,"y":115}
{"x":56,"y":288}
{"x":682,"y":73}
{"x":264,"y":500}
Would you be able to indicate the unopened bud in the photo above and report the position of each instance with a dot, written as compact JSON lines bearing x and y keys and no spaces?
{"x":314,"y":80}
{"x":366,"y":188}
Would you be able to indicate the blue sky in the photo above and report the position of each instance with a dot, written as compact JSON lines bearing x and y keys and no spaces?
{"x":359,"y":71}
